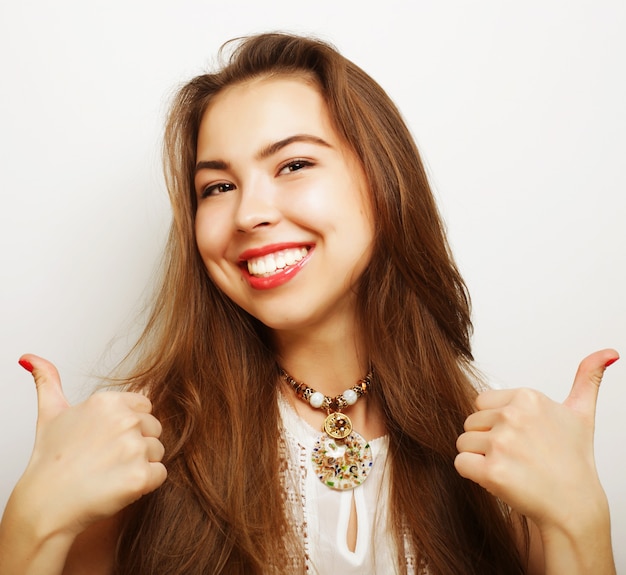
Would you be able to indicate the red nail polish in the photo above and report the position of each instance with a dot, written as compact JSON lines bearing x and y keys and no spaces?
{"x":611,"y":361}
{"x":27,"y":365}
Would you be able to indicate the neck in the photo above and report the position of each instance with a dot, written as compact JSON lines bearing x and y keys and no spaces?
{"x":329,"y":363}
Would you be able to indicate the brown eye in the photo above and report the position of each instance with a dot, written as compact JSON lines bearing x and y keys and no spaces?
{"x":215,"y":189}
{"x":294,"y":166}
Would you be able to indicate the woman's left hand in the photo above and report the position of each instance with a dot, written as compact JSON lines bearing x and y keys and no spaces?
{"x":537,"y":455}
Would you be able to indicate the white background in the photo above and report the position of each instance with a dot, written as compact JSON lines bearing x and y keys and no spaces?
{"x":519,"y":109}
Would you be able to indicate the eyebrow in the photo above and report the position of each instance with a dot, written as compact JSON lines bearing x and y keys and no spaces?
{"x":266,"y":151}
{"x":271,"y":149}
{"x":211,"y":165}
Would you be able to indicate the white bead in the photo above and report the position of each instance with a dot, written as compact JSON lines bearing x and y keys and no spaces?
{"x":316,"y":399}
{"x":350,"y":396}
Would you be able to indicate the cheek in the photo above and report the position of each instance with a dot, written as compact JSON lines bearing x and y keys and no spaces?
{"x":309,"y":199}
{"x":355,"y":213}
{"x":212,"y":239}
{"x":210,"y":230}
{"x":326,"y":202}
{"x":208,"y":243}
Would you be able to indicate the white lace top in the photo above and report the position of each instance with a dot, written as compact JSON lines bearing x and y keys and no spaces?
{"x":322,"y":514}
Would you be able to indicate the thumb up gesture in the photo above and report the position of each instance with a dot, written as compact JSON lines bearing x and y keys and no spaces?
{"x":90,"y":460}
{"x":536,"y":454}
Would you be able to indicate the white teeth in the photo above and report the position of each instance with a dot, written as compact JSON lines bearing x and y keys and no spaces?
{"x":269,"y":264}
{"x":280,"y":261}
{"x":289,"y":257}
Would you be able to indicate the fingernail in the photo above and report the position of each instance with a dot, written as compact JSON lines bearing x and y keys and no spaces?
{"x":611,"y":361}
{"x":27,"y":365}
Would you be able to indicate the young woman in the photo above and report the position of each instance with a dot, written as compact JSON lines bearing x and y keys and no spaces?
{"x":308,"y":369}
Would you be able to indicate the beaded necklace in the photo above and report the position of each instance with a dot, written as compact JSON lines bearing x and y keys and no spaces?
{"x":341,"y":457}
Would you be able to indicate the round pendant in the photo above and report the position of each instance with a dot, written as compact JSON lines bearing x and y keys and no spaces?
{"x":338,"y":425}
{"x":342,"y":464}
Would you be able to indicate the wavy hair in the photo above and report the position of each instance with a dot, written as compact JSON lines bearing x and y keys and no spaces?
{"x":222,"y":509}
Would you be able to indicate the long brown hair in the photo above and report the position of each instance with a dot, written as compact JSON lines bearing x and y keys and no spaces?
{"x":222,"y":508}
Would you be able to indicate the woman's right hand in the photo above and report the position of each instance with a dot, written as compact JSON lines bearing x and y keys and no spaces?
{"x":89,"y":461}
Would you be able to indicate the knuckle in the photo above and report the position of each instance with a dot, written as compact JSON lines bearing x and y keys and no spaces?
{"x":526,"y":403}
{"x":495,"y":474}
{"x":104,"y":402}
{"x":158,"y":476}
{"x":161,"y":450}
{"x":158,"y":428}
{"x":483,"y":397}
{"x":512,"y":416}
{"x":98,"y":400}
{"x":128,"y":421}
{"x":529,"y":397}
{"x":467,"y":424}
{"x":155,"y":449}
{"x":133,"y":450}
{"x":138,"y":478}
{"x":500,"y":443}
{"x":163,"y":475}
{"x":139,"y":400}
{"x":459,"y":443}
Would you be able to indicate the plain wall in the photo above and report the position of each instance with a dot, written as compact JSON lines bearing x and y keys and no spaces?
{"x":518,"y":108}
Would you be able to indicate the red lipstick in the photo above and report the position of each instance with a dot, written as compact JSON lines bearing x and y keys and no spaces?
{"x":280,"y":276}
{"x":269,"y":249}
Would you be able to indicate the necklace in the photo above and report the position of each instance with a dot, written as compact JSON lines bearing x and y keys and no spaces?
{"x":341,"y":457}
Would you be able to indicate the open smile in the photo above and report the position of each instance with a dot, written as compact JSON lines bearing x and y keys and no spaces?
{"x":272,"y":266}
{"x":276,"y":262}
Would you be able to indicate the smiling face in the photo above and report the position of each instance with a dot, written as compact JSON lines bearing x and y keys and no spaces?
{"x":283,"y":223}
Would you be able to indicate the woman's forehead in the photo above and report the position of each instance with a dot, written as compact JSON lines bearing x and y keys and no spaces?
{"x":261,"y":111}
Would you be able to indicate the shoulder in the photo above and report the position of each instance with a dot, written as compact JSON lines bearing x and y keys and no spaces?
{"x":93,"y":551}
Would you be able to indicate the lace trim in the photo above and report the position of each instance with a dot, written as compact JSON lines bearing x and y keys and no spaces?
{"x":412,"y":564}
{"x":292,"y":478}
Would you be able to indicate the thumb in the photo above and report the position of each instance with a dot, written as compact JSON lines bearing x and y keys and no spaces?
{"x":584,"y":393}
{"x":50,"y":398}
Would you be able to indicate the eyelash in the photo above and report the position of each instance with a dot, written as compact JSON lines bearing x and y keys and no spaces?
{"x":290,"y":165}
{"x":208,"y":191}
{"x":293,"y":163}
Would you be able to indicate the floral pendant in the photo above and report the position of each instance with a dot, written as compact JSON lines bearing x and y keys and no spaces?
{"x":342,"y":463}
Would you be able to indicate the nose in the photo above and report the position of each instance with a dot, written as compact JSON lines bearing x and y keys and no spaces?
{"x":257,"y":206}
